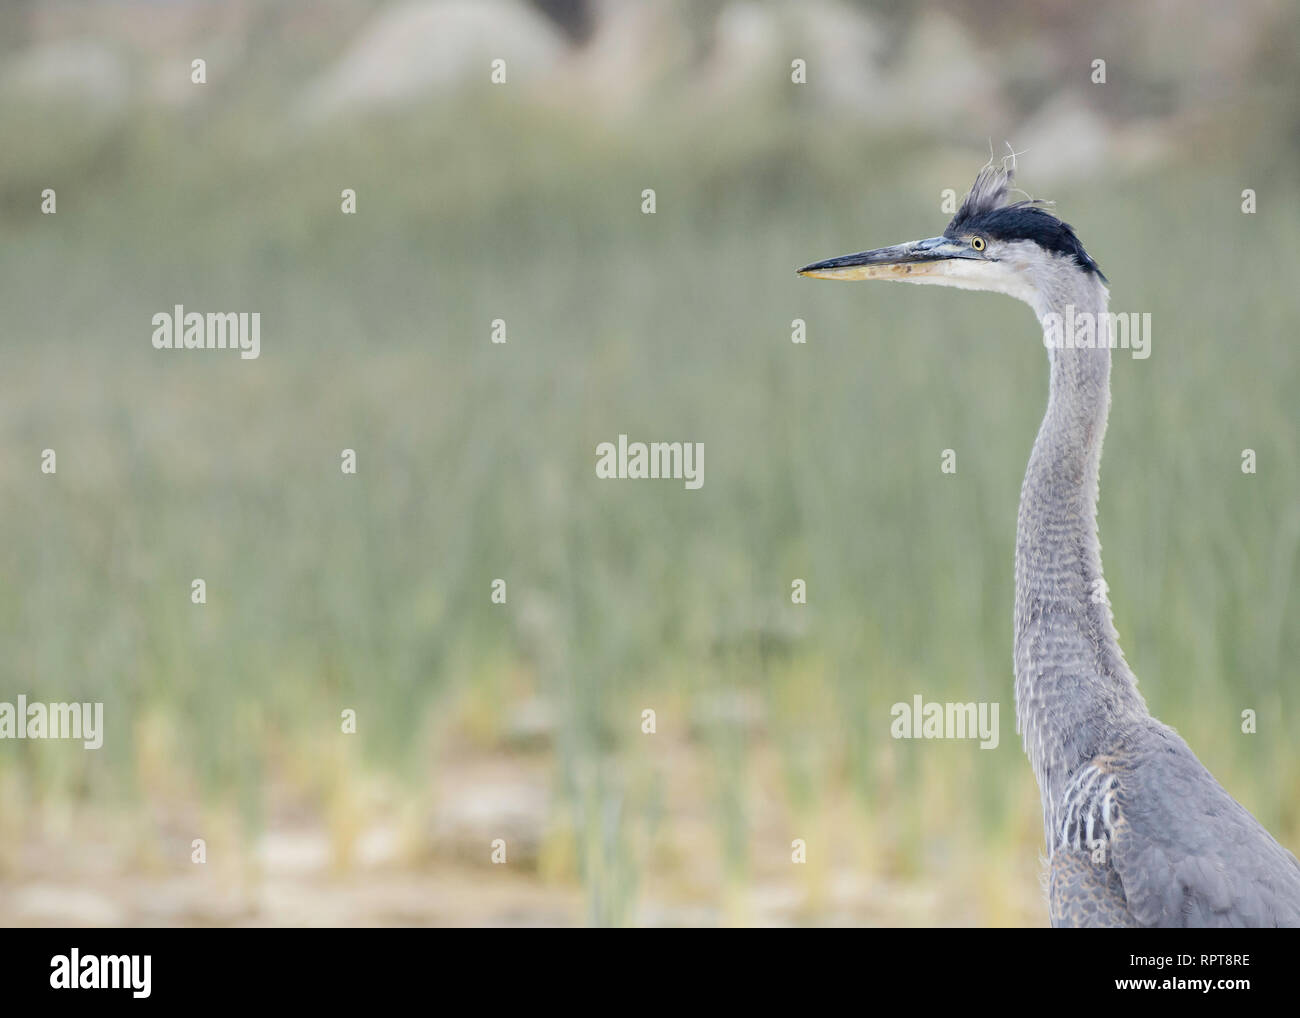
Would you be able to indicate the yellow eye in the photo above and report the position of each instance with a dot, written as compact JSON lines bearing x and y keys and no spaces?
{"x":977,"y":243}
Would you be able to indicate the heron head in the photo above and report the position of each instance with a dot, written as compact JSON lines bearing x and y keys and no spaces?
{"x":1017,"y":248}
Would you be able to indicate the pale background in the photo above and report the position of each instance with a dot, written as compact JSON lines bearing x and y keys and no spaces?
{"x":522,"y":202}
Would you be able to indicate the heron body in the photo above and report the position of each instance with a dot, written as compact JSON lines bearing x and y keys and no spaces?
{"x":1138,"y":832}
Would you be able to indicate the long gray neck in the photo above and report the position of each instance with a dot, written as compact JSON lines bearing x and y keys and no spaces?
{"x":1073,"y":687}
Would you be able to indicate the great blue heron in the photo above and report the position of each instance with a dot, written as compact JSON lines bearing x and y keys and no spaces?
{"x":1138,"y":832}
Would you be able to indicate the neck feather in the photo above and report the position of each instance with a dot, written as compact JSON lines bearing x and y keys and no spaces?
{"x":1073,"y":687}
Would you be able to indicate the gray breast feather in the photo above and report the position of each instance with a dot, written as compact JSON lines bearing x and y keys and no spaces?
{"x":1184,"y":852}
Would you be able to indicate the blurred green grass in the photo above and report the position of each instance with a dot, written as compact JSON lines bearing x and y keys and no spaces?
{"x":476,"y":461}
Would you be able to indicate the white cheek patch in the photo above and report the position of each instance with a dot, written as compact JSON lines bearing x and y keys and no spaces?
{"x":990,"y":276}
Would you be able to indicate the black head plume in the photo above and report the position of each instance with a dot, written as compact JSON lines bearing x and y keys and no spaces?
{"x":986,"y":212}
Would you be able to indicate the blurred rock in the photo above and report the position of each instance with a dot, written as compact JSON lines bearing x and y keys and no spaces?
{"x":943,"y":82}
{"x":727,"y":708}
{"x":50,"y":905}
{"x":635,"y":47}
{"x":293,"y":852}
{"x":478,"y":808}
{"x":660,"y":914}
{"x":772,"y":628}
{"x":169,"y":82}
{"x":749,"y":52}
{"x":847,"y":48}
{"x":74,"y":71}
{"x":379,"y":847}
{"x":541,"y":625}
{"x":530,"y":724}
{"x":190,"y":900}
{"x":939,"y":81}
{"x":756,"y":43}
{"x":1065,"y":141}
{"x":412,"y":49}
